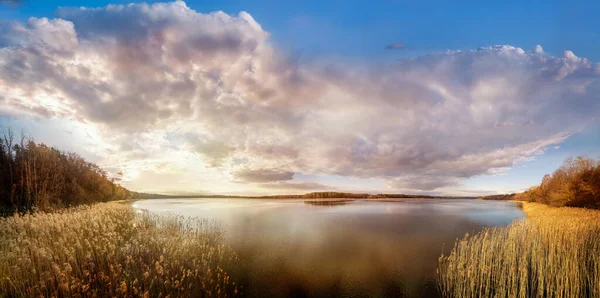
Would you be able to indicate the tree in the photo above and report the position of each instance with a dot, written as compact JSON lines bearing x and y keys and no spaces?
{"x":36,"y":176}
{"x":576,"y":183}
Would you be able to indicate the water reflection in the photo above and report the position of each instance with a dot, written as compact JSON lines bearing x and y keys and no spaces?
{"x":343,"y":247}
{"x":327,"y":202}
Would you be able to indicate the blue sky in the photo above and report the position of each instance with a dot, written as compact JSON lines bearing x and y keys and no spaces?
{"x":343,"y":77}
{"x":363,"y":28}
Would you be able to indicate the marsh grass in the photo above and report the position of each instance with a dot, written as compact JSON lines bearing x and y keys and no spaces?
{"x":555,"y":252}
{"x":110,"y":249}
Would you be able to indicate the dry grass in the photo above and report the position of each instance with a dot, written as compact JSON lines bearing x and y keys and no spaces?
{"x":112,"y":250}
{"x":555,"y":252}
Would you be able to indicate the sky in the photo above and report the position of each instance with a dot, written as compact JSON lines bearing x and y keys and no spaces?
{"x":268,"y":97}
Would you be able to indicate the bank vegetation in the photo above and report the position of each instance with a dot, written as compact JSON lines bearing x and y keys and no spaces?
{"x":554,"y":252}
{"x":39,"y":177}
{"x":112,"y":250}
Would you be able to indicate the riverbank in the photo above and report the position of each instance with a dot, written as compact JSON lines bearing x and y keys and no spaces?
{"x":111,"y":249}
{"x":555,"y":252}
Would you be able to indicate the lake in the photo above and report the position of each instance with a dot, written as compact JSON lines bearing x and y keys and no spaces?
{"x":349,"y":248}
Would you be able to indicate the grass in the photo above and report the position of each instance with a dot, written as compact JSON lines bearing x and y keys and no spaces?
{"x":112,"y":250}
{"x":555,"y":252}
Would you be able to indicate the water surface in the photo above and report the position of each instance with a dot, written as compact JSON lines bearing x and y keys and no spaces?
{"x":356,"y":248}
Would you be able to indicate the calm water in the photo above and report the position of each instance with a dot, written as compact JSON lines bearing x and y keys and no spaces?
{"x":353,"y":248}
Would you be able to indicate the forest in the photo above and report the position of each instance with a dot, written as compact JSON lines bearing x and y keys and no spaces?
{"x":39,"y":177}
{"x":575,"y":184}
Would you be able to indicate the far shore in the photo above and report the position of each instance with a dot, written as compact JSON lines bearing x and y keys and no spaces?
{"x":301,"y":199}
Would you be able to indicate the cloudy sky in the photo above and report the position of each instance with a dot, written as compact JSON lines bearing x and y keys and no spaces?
{"x":240,"y":97}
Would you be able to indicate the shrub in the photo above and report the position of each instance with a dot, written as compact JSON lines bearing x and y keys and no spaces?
{"x":576,"y":184}
{"x":109,"y":250}
{"x":555,"y":252}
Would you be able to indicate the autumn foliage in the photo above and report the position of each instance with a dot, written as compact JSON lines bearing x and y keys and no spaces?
{"x":575,"y":184}
{"x":36,"y":176}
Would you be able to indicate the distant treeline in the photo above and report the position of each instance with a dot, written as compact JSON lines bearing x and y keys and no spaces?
{"x":36,"y":176}
{"x":575,"y":184}
{"x":345,"y":195}
{"x":499,"y":197}
{"x":312,"y":195}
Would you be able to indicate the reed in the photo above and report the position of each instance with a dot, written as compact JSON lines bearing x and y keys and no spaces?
{"x":555,"y":252}
{"x":112,"y":250}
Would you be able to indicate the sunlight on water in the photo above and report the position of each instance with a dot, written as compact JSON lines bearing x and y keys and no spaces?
{"x":341,"y":248}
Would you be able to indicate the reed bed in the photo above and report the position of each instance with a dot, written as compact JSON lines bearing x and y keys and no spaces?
{"x":112,"y":250}
{"x":555,"y":252}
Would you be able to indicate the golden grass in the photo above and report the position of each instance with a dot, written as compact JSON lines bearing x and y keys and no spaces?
{"x":555,"y":252}
{"x":111,"y":250}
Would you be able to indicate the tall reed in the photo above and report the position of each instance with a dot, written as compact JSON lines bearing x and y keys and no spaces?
{"x":555,"y":252}
{"x":109,"y":249}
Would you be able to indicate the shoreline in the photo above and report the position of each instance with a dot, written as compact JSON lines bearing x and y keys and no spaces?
{"x":306,"y":199}
{"x":551,"y":243}
{"x":536,"y":210}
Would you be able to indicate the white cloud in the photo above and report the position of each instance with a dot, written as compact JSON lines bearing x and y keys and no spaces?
{"x":209,"y":93}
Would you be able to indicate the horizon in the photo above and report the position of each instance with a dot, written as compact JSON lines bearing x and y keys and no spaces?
{"x":243,"y":195}
{"x":234,"y":98}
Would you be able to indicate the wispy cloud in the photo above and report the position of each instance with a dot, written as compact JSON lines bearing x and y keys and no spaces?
{"x":395,"y":46}
{"x":12,"y":3}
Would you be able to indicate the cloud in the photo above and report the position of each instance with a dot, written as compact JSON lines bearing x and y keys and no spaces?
{"x":211,"y":93}
{"x":262,"y":175}
{"x":510,"y":124}
{"x":12,"y":3}
{"x":395,"y":46}
{"x":297,"y":186}
{"x":424,"y":183}
{"x":214,"y":151}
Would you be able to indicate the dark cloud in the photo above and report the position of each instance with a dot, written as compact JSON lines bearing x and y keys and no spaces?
{"x":262,"y":175}
{"x":303,"y":186}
